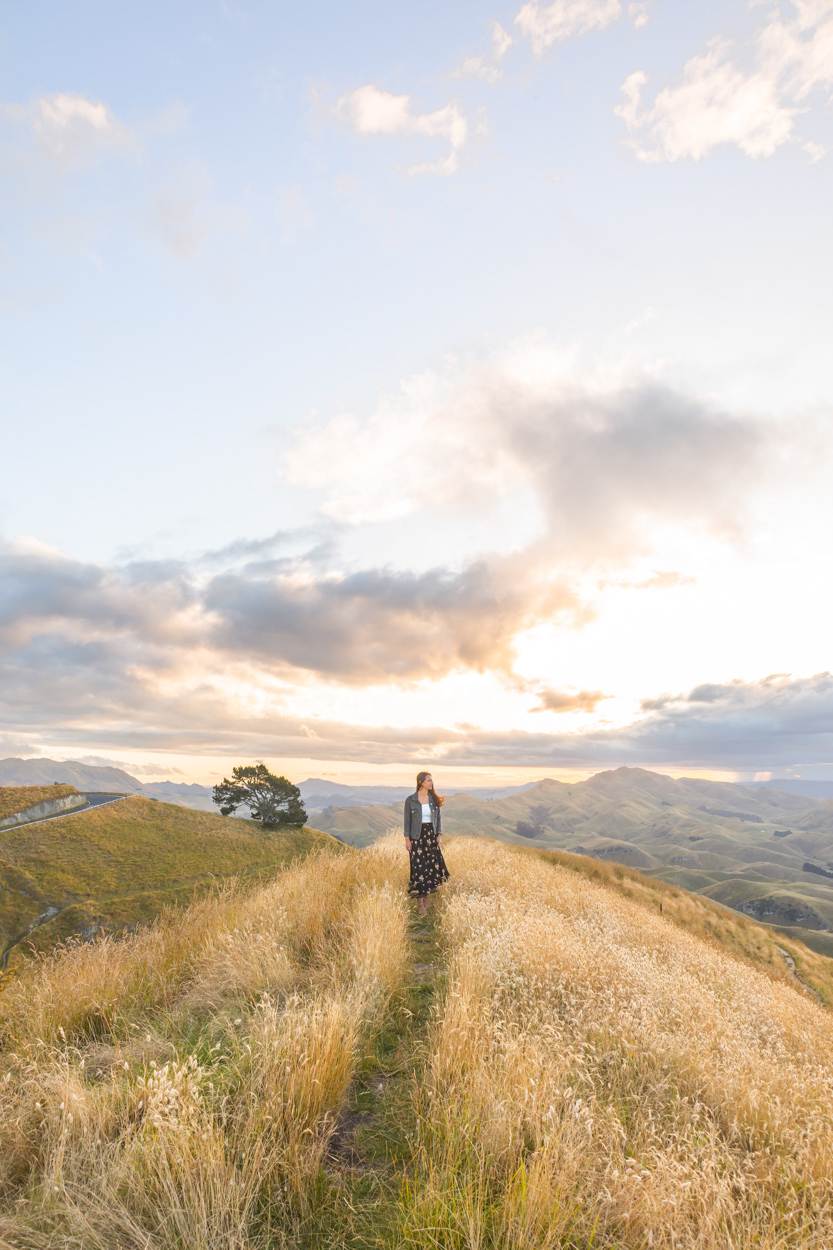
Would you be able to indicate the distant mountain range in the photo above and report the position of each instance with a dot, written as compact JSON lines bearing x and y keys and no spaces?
{"x":317,"y":793}
{"x":36,"y":771}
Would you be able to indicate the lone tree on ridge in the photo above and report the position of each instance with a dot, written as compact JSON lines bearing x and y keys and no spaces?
{"x":273,"y":801}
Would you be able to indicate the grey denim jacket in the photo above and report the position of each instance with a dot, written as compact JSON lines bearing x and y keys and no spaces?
{"x":412,"y":823}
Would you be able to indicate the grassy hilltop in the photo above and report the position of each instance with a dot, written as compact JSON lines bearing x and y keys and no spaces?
{"x":118,"y":864}
{"x":547,"y":1061}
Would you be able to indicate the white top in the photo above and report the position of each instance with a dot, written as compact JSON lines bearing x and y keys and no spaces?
{"x":426,"y":812}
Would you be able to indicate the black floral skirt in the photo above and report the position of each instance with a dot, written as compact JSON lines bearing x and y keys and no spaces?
{"x":428,"y":868}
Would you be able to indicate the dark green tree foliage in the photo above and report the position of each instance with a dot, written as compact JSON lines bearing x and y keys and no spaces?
{"x":273,"y":801}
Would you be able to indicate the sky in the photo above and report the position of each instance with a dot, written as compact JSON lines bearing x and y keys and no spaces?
{"x":388,"y":387}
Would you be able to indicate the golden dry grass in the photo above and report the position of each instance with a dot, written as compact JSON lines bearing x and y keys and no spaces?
{"x":590,"y":1075}
{"x":596,"y":1076}
{"x":729,"y":930}
{"x":125,"y":1123}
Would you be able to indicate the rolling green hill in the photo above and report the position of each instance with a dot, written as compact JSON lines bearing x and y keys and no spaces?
{"x":764,"y":852}
{"x":117,"y":865}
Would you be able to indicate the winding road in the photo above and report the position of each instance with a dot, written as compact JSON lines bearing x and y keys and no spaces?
{"x":95,"y":798}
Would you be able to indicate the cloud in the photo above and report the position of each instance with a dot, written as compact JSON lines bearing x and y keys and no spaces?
{"x":154,"y":599}
{"x":131,"y":630}
{"x":606,"y":457}
{"x":719,"y":103}
{"x":380,"y":624}
{"x":638,"y":13}
{"x":85,"y":697}
{"x":69,"y":127}
{"x":129,"y":687}
{"x":197,"y":654}
{"x":715,"y":104}
{"x":565,"y":701}
{"x":663,"y":579}
{"x":776,"y":723}
{"x":258,"y":553}
{"x":488,"y":67}
{"x":14,"y":746}
{"x":49,"y":140}
{"x":372,"y":111}
{"x":51,"y":137}
{"x":136,"y":770}
{"x":546,"y":24}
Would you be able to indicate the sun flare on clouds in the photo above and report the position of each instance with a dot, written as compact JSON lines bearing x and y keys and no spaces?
{"x":654,"y":508}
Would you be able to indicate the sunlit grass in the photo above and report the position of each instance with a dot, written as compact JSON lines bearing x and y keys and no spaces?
{"x":596,"y":1076}
{"x":581,"y":1073}
{"x":178,"y":1087}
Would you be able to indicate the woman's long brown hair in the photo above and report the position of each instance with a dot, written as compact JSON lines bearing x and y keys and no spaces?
{"x":420,"y":778}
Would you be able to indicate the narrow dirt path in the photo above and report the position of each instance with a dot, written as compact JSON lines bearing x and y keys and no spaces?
{"x":371,"y":1148}
{"x":791,"y":965}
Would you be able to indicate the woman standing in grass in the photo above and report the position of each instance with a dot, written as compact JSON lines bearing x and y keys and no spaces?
{"x":423,"y":826}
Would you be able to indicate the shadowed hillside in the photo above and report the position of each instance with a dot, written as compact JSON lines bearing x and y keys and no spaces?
{"x":543,"y":1062}
{"x":117,"y":865}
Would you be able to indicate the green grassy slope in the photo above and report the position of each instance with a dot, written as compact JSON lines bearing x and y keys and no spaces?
{"x":118,"y":864}
{"x":14,"y":799}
